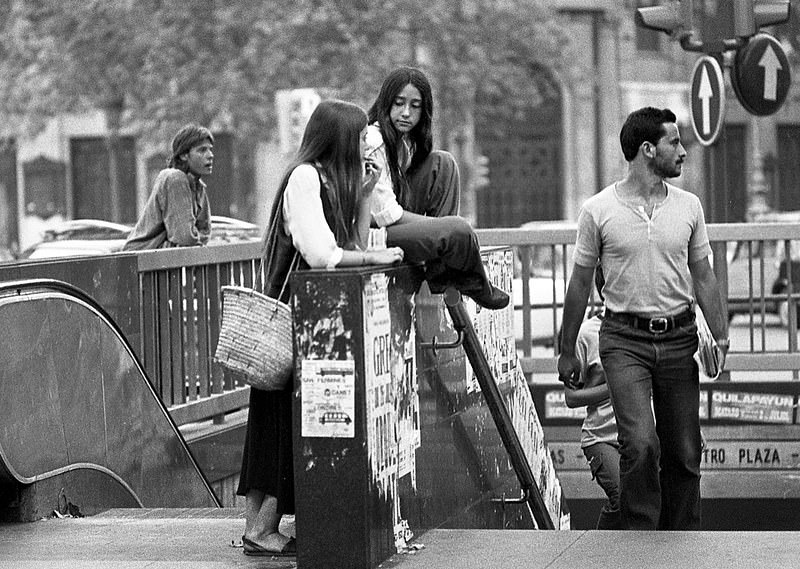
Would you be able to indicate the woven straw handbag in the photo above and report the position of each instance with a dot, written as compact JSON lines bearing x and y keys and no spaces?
{"x":255,"y":336}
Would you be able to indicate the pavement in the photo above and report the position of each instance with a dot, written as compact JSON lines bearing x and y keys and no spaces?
{"x":201,"y":538}
{"x":206,"y":539}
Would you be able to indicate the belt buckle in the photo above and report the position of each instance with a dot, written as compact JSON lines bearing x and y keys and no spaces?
{"x":658,"y":325}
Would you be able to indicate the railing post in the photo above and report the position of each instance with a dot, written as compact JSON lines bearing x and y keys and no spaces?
{"x":791,"y":305}
{"x":525,"y":275}
{"x":720,"y":266}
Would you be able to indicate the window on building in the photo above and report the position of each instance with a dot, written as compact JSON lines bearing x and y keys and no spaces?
{"x":647,"y":40}
{"x":91,"y":179}
{"x":785,"y":195}
{"x":725,"y":176}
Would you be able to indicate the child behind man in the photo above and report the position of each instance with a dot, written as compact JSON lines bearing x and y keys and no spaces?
{"x":599,"y":429}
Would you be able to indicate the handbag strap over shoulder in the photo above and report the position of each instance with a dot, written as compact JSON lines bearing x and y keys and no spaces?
{"x":272,"y":239}
{"x":292,"y":267}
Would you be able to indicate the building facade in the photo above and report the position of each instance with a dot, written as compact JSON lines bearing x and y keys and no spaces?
{"x":569,"y":148}
{"x":543,"y":162}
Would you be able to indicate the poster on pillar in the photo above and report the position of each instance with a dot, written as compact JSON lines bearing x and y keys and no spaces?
{"x":392,"y":398}
{"x":532,"y":438}
{"x":495,"y":332}
{"x":327,"y":365}
{"x":495,"y":328}
{"x":329,"y":400}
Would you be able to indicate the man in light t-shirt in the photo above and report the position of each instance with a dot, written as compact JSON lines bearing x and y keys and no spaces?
{"x":651,"y":240}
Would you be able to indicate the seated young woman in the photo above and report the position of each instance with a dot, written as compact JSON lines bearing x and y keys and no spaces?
{"x":417,"y":194}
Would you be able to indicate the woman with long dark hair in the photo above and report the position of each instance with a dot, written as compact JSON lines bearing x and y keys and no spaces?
{"x":321,"y":211}
{"x":425,"y":181}
{"x":417,"y":194}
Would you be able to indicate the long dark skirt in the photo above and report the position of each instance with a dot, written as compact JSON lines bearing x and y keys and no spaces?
{"x":268,"y":451}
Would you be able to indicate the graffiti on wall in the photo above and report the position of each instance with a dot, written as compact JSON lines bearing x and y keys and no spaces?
{"x":392,"y":395}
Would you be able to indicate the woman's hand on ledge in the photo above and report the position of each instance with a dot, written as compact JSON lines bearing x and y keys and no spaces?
{"x":386,"y":256}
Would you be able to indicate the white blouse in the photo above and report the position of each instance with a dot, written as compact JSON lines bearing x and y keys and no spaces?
{"x":305,"y":221}
{"x":383,"y":203}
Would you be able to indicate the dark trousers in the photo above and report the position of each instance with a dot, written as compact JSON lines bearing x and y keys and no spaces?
{"x":435,"y":186}
{"x":660,"y":446}
{"x":449,"y":248}
{"x":604,"y":463}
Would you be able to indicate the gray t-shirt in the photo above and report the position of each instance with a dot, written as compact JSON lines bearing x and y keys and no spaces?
{"x":645,"y":259}
{"x":599,"y":426}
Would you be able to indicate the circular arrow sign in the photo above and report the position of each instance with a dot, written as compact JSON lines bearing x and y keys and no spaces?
{"x":707,"y":100}
{"x":761,"y":75}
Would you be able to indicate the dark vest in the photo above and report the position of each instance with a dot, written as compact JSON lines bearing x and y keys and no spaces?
{"x":283,"y":250}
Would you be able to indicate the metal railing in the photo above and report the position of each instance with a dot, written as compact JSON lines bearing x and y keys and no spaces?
{"x":531,"y":496}
{"x":180,"y":308}
{"x":545,"y":254}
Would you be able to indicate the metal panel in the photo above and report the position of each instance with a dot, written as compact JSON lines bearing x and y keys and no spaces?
{"x":202,"y":328}
{"x":215,"y":281}
{"x":164,"y":383}
{"x":175,"y":313}
{"x":75,"y":399}
{"x":196,"y":385}
{"x":149,"y":319}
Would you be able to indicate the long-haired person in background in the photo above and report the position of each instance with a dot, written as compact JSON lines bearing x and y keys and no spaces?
{"x":321,"y":210}
{"x":177,"y":213}
{"x":417,"y":195}
{"x":425,"y":181}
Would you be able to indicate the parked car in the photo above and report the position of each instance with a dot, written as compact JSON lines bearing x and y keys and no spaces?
{"x":745,"y":279}
{"x":544,"y":320}
{"x":781,"y":285}
{"x":546,"y":286}
{"x":80,"y":237}
{"x":229,"y":230}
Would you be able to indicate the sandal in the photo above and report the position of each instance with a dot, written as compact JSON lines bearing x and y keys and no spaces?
{"x":252,"y":548}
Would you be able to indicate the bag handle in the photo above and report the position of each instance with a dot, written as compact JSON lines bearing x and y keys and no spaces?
{"x":270,"y":255}
{"x":292,"y":267}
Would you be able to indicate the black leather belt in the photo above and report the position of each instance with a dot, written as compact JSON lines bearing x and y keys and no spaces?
{"x":655,"y":325}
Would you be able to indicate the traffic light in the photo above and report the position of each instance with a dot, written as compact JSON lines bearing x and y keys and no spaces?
{"x":722,"y":24}
{"x":751,"y":15}
{"x":672,"y":17}
{"x":726,"y":21}
{"x":676,"y":18}
{"x":480,"y":172}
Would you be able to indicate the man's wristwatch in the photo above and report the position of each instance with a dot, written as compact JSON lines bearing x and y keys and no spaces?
{"x":724,"y":342}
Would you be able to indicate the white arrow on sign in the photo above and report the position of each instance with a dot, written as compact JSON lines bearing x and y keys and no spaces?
{"x":704,"y":93}
{"x":771,"y":64}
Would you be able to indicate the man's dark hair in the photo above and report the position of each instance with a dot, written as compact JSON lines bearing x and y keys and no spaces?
{"x":187,"y":138}
{"x":644,"y":125}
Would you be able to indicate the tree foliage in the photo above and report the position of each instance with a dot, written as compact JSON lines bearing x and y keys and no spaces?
{"x":220,"y":62}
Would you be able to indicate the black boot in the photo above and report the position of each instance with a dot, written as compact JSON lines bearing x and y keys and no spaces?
{"x":475,"y":286}
{"x":490,"y":298}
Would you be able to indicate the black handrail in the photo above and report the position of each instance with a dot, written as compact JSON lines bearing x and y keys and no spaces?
{"x":491,"y":393}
